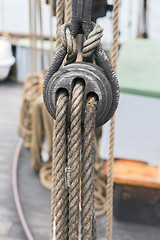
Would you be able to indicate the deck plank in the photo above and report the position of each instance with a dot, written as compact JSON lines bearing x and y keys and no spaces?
{"x":10,"y":100}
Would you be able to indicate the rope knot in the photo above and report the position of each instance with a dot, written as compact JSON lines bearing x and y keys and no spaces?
{"x":92,"y":41}
{"x":69,"y":42}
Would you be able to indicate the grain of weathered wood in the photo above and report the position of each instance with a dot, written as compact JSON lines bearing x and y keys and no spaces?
{"x":136,"y":173}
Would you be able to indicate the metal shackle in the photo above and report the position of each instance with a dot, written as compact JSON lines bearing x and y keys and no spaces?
{"x":95,"y":81}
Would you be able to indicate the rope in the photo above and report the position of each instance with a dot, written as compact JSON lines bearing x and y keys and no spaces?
{"x":112,"y":128}
{"x":53,"y":169}
{"x":74,"y":159}
{"x":87,"y":165}
{"x":59,"y":15}
{"x":47,"y":179}
{"x":87,"y":171}
{"x":31,"y":92}
{"x":41,"y":136}
{"x":73,"y":170}
{"x":39,"y":115}
{"x":31,"y":87}
{"x":92,"y":41}
{"x":61,"y":156}
{"x":100,"y":187}
{"x":89,"y":46}
{"x":53,"y":181}
{"x":69,"y":42}
{"x":68,"y":11}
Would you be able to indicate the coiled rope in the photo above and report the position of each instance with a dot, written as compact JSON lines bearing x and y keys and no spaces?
{"x":109,"y":190}
{"x":32,"y":83}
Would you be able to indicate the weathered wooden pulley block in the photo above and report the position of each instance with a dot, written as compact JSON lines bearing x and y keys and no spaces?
{"x":80,"y":96}
{"x":95,"y":81}
{"x":99,"y":79}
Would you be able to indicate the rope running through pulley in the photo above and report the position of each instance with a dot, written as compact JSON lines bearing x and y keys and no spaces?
{"x":80,"y":97}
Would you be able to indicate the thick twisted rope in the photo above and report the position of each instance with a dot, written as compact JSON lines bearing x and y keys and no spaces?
{"x":69,"y":42}
{"x":53,"y":187}
{"x":74,"y":159}
{"x":61,"y":158}
{"x":88,"y":211}
{"x":53,"y":181}
{"x":59,"y":15}
{"x":87,"y":171}
{"x":68,"y":10}
{"x":112,"y":128}
{"x":93,"y":39}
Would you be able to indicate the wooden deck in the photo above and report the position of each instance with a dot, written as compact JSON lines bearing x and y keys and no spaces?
{"x":10,"y":99}
{"x":35,"y":198}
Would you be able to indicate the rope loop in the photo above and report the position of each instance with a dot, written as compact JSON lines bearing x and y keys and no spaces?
{"x":92,"y":41}
{"x":69,"y":42}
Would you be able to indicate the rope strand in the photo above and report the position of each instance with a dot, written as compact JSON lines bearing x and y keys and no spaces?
{"x":61,"y":158}
{"x":87,"y":172}
{"x":68,"y":11}
{"x":53,"y":195}
{"x":109,"y":190}
{"x":59,"y":15}
{"x":74,"y":159}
